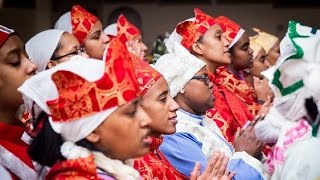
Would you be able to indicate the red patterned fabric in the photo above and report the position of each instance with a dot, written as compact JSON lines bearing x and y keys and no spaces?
{"x":146,"y":75}
{"x":82,"y":22}
{"x":77,"y":169}
{"x":4,"y":34}
{"x":117,"y":87}
{"x":10,"y":139}
{"x":155,"y":166}
{"x":127,"y":30}
{"x":191,"y":31}
{"x":229,"y":27}
{"x":229,"y":111}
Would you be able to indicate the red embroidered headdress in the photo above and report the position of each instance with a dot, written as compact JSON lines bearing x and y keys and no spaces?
{"x":80,"y":94}
{"x":4,"y":34}
{"x":231,"y":29}
{"x":126,"y":29}
{"x":146,"y":75}
{"x":192,"y":30}
{"x":82,"y":22}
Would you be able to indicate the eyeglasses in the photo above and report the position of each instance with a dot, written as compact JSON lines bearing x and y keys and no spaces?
{"x":76,"y":52}
{"x":204,"y":78}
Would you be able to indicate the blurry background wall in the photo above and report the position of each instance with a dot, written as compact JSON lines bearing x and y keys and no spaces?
{"x":159,"y":16}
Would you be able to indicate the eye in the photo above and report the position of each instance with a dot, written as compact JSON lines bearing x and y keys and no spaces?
{"x":163,"y":100}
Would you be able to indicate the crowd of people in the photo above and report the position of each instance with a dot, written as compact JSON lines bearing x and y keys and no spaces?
{"x":80,"y":101}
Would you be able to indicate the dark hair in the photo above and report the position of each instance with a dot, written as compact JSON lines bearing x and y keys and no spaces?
{"x":131,"y":14}
{"x":45,"y":146}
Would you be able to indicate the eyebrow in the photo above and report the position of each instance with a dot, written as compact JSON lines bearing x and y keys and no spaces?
{"x":164,"y":93}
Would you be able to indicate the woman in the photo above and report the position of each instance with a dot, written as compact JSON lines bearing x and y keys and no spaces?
{"x":51,"y":47}
{"x":196,"y":138}
{"x":91,"y":112}
{"x":270,"y":43}
{"x":87,"y":28}
{"x":15,"y":68}
{"x":131,"y":35}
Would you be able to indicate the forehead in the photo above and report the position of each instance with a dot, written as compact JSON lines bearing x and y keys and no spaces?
{"x":243,"y":40}
{"x":69,"y":39}
{"x":158,"y":87}
{"x":96,"y":27}
{"x":13,"y":42}
{"x":213,"y":29}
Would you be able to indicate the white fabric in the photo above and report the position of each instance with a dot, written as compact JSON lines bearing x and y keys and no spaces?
{"x":64,"y":22}
{"x":15,"y":165}
{"x":112,"y":29}
{"x":175,"y":37}
{"x":303,"y":161}
{"x":41,"y":47}
{"x":211,"y":142}
{"x":236,"y":38}
{"x":115,"y":167}
{"x":40,"y":88}
{"x":178,"y":68}
{"x":4,"y":174}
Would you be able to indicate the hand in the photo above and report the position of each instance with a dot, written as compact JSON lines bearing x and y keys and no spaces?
{"x":262,"y":88}
{"x":248,"y":142}
{"x":216,"y":169}
{"x":264,"y":109}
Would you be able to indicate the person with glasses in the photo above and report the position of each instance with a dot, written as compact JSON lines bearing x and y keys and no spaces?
{"x":87,"y":28}
{"x":198,"y":138}
{"x":51,"y":47}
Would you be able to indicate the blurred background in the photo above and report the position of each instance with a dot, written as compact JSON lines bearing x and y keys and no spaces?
{"x":156,"y":17}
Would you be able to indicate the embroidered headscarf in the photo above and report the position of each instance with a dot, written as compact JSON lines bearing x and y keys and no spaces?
{"x":41,"y":47}
{"x":255,"y":47}
{"x":190,"y":30}
{"x":78,"y":95}
{"x":232,"y":30}
{"x":4,"y":34}
{"x":178,"y":68}
{"x":78,"y":22}
{"x":146,"y":75}
{"x":264,"y":39}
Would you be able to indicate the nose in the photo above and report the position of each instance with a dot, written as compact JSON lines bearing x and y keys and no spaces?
{"x":31,"y":67}
{"x":226,"y":43}
{"x":250,"y":51}
{"x":143,"y":46}
{"x":267,"y":63}
{"x":174,"y":106}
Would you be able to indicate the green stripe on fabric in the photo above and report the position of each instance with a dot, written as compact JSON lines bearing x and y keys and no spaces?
{"x":314,"y":30}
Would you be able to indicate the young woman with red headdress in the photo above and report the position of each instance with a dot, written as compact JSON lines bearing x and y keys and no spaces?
{"x":87,"y":28}
{"x":15,"y":68}
{"x":87,"y":112}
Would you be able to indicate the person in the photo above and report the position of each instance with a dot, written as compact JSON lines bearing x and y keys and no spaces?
{"x":131,"y":34}
{"x":293,"y":136}
{"x":84,"y":137}
{"x":15,"y":68}
{"x":51,"y":47}
{"x":270,"y":43}
{"x":196,"y":138}
{"x":160,"y":106}
{"x":87,"y":28}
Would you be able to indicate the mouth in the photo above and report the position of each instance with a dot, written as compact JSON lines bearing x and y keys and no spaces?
{"x":173,"y":120}
{"x":147,"y":140}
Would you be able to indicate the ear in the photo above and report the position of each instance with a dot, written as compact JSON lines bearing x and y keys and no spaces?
{"x":93,"y":137}
{"x":196,"y":47}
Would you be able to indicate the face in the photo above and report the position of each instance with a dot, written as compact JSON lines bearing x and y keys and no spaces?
{"x":15,"y":68}
{"x":274,"y":53}
{"x":213,"y":47}
{"x":242,"y":53}
{"x":125,"y":133}
{"x":161,"y":108}
{"x":96,"y":42}
{"x":68,"y":46}
{"x":198,"y":93}
{"x":259,"y":63}
{"x":137,"y":47}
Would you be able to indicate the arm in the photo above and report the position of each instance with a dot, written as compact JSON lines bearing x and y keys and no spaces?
{"x":183,"y":150}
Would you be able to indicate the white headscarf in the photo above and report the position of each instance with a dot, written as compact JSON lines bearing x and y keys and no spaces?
{"x":178,"y":67}
{"x":41,"y":47}
{"x":112,"y":29}
{"x":64,"y":22}
{"x":41,"y":88}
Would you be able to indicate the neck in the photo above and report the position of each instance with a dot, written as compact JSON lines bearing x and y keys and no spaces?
{"x":184,"y":106}
{"x":211,"y":67}
{"x":249,"y":79}
{"x":8,"y":116}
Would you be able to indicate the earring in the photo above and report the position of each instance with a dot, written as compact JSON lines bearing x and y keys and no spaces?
{"x":182,"y":91}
